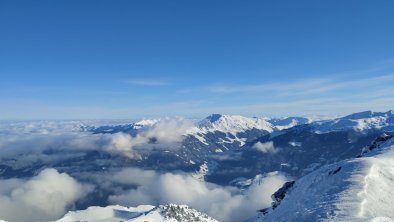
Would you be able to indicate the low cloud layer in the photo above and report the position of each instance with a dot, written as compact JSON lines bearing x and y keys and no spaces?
{"x":44,"y":197}
{"x":32,"y":138}
{"x":267,"y":147}
{"x":165,"y":134}
{"x":226,"y":204}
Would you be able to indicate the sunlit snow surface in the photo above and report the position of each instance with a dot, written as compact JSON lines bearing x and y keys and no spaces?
{"x":112,"y":214}
{"x":359,"y":189}
{"x":116,"y":213}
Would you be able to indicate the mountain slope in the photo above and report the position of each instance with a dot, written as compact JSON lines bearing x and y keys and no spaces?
{"x":358,"y":189}
{"x":233,"y":124}
{"x":362,"y":122}
{"x":288,"y":122}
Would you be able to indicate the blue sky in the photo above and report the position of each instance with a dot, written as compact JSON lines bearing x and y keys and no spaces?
{"x":72,"y":59}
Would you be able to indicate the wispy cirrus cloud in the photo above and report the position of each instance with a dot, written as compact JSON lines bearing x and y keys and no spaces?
{"x":148,"y":82}
{"x":305,"y":86}
{"x":267,"y":87}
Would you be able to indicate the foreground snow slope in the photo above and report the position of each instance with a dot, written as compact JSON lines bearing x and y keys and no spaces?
{"x":360,"y":189}
{"x":116,"y":213}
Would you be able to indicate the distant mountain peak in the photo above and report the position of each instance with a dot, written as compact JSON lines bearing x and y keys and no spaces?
{"x":162,"y":213}
{"x":360,"y":115}
{"x":368,"y":114}
{"x":288,"y":122}
{"x":214,"y":117}
{"x":147,"y":122}
{"x":233,"y":123}
{"x":361,"y":121}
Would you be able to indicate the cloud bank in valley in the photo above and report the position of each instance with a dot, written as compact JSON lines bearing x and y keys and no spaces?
{"x":44,"y":197}
{"x":222,"y":203}
{"x":32,"y":138}
{"x":165,"y":134}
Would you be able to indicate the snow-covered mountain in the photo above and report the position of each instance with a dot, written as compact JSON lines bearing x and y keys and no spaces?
{"x":288,"y":122}
{"x":299,"y":145}
{"x":238,"y":127}
{"x":358,"y":189}
{"x":361,"y":122}
{"x":131,"y":128}
{"x":214,"y":134}
{"x":220,"y":133}
{"x":233,"y":124}
{"x":142,"y":213}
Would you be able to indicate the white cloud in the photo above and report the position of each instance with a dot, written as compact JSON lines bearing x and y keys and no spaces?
{"x":124,"y":143}
{"x":267,"y":147}
{"x":169,"y":130}
{"x":42,"y":198}
{"x":165,"y":134}
{"x":224,"y":203}
{"x":33,"y":138}
{"x":262,"y":190}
